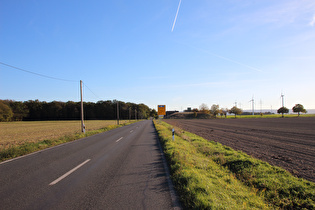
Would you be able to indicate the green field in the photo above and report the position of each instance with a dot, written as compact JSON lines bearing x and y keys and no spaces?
{"x":20,"y":138}
{"x":268,"y":116}
{"x":208,"y":175}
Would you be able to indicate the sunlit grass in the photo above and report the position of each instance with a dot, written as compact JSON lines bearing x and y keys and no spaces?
{"x":17,"y":133}
{"x":21,"y":138}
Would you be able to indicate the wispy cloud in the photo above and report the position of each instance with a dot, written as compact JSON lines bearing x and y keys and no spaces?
{"x":155,"y":77}
{"x":180,"y":86}
{"x":281,"y":13}
{"x":312,"y":23}
{"x":202,"y":84}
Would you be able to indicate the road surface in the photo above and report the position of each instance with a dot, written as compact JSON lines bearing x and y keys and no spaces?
{"x":119,"y":169}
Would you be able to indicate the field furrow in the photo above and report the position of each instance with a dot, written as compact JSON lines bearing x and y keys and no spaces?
{"x":288,"y":143}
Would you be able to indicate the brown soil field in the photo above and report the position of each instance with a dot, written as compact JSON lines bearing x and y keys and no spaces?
{"x":285,"y":142}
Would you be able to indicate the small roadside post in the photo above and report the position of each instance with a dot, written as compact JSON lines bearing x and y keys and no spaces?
{"x":173,"y":134}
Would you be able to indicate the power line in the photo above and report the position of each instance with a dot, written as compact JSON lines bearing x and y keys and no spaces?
{"x":46,"y":76}
{"x":41,"y":75}
{"x":91,"y":91}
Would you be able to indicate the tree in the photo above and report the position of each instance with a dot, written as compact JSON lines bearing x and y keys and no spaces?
{"x":236,"y":111}
{"x":35,"y":109}
{"x":6,"y":113}
{"x":72,"y":110}
{"x":223,"y":112}
{"x":204,"y":108}
{"x":57,"y":110}
{"x":195,"y":110}
{"x":283,"y":110}
{"x":154,"y":114}
{"x":18,"y":108}
{"x":215,"y":110}
{"x":299,"y":108}
{"x":144,"y":111}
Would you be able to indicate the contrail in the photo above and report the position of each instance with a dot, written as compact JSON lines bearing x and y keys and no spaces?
{"x":233,"y":61}
{"x":225,"y":58}
{"x":180,"y":1}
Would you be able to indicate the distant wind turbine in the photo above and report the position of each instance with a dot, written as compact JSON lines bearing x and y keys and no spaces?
{"x":282,"y":97}
{"x":253,"y":103}
{"x":180,"y":1}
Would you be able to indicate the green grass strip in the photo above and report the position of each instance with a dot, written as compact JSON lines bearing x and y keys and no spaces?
{"x":27,"y":148}
{"x":208,"y":175}
{"x":267,"y":116}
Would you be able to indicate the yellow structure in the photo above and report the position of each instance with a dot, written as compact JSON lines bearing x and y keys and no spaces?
{"x":161,"y":110}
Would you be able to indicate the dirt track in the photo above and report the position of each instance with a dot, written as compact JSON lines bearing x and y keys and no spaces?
{"x":285,"y":142}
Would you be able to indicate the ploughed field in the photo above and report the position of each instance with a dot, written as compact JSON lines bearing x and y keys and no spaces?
{"x":285,"y":142}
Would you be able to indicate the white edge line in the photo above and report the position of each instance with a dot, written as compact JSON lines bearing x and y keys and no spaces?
{"x":51,"y":148}
{"x":68,"y":173}
{"x":46,"y":149}
{"x":119,"y":139}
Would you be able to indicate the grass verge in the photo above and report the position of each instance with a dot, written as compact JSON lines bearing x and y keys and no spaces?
{"x":208,"y":175}
{"x":29,"y":147}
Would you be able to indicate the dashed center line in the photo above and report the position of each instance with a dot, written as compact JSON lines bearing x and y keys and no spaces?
{"x":68,"y":173}
{"x":131,"y":131}
{"x":119,"y":139}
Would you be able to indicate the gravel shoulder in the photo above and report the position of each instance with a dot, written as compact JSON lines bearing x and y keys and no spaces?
{"x":285,"y":142}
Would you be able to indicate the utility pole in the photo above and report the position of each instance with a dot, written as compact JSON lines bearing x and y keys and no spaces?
{"x":117,"y":113}
{"x":135,"y":114}
{"x":129,"y":114}
{"x":82,"y":114}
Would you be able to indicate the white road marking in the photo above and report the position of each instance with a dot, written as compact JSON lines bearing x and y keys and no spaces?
{"x":119,"y":139}
{"x":69,"y":172}
{"x":131,"y":131}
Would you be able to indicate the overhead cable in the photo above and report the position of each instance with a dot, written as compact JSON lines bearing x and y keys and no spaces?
{"x":91,"y":90}
{"x":41,"y":75}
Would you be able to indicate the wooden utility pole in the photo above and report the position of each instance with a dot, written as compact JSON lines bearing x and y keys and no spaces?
{"x":117,"y":113}
{"x":82,"y":115}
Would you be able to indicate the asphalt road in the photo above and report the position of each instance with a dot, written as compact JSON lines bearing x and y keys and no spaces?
{"x":119,"y":169}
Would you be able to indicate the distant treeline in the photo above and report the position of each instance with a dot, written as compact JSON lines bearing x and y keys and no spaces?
{"x":41,"y":110}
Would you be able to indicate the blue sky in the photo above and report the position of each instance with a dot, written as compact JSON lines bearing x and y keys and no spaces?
{"x":219,"y":51}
